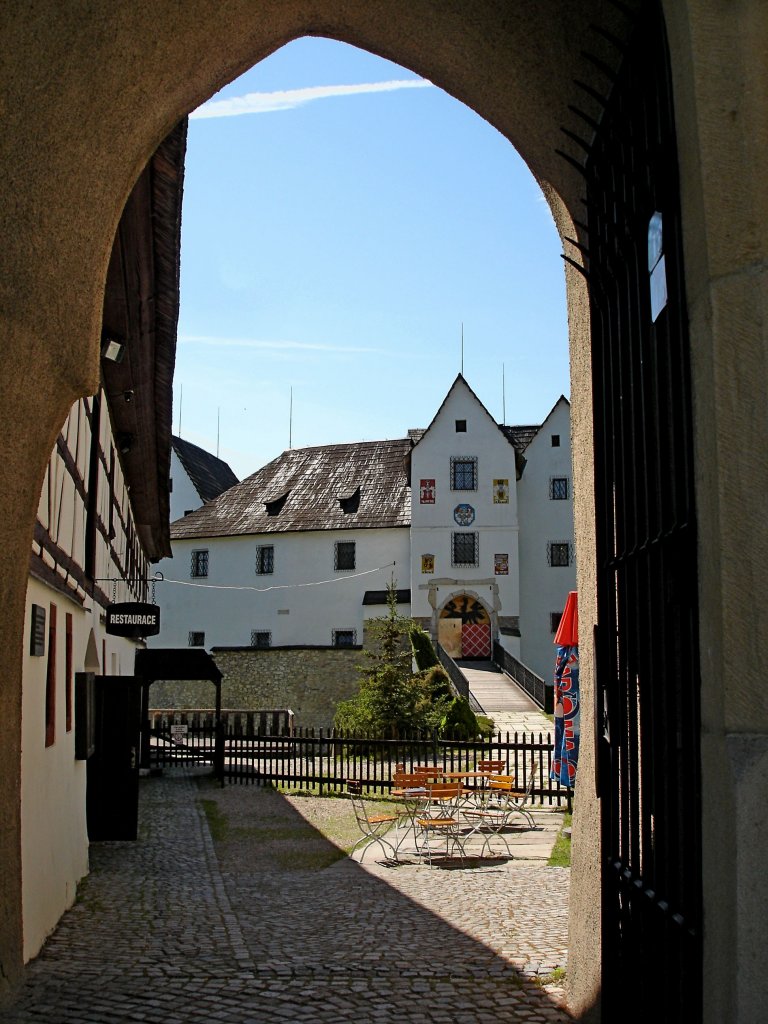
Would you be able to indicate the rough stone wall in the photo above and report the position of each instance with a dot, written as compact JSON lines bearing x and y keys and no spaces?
{"x":308,"y":680}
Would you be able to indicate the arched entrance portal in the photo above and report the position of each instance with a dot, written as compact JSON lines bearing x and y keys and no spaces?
{"x":464,"y":627}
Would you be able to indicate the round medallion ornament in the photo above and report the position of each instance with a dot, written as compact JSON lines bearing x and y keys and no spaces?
{"x":464,"y":514}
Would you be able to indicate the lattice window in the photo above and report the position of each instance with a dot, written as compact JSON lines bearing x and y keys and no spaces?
{"x":344,"y":637}
{"x":261,"y":638}
{"x":463,"y":472}
{"x":559,"y":553}
{"x":464,"y":548}
{"x":344,"y":554}
{"x":199,"y":565}
{"x":265,"y":560}
{"x":558,"y":488}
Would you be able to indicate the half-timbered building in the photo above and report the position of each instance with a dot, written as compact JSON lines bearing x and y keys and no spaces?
{"x":102,"y":519}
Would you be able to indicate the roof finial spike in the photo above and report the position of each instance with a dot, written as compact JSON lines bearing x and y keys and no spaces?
{"x":290,"y":421}
{"x":462,"y":348}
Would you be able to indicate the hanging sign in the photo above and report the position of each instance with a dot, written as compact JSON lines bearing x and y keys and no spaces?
{"x":134,"y":619}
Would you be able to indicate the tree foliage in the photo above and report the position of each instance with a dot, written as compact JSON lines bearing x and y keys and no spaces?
{"x":392,"y":699}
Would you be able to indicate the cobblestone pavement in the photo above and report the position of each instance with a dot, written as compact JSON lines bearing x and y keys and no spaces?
{"x":162,"y":935}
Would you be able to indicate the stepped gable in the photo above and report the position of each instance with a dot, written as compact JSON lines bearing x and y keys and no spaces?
{"x":210,"y":475}
{"x":361,"y":485}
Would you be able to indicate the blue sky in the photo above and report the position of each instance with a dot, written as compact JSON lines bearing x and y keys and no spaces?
{"x":342,"y":219}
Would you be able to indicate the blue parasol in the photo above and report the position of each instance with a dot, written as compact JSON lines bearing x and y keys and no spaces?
{"x":567,"y":729}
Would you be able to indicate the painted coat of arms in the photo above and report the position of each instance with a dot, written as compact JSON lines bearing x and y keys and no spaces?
{"x":464,"y":514}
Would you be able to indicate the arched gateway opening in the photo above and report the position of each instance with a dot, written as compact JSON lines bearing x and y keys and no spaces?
{"x":465,"y":627}
{"x":582,"y":91}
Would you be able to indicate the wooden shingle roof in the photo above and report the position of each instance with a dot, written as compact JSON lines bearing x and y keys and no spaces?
{"x":361,"y":485}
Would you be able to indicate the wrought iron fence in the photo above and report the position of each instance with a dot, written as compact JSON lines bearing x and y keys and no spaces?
{"x":308,"y":760}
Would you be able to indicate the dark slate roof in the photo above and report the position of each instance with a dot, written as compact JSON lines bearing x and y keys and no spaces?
{"x":380,"y":596}
{"x":520,"y":437}
{"x":309,"y":489}
{"x":211,"y":476}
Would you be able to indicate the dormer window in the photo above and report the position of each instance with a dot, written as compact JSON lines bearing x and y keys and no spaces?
{"x":350,"y":503}
{"x":274,"y":506}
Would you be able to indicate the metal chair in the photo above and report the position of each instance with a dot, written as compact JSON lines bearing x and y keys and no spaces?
{"x":440,"y":818}
{"x":503,"y":800}
{"x":372,"y":826}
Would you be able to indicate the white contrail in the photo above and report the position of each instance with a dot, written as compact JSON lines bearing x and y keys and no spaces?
{"x":289,"y":99}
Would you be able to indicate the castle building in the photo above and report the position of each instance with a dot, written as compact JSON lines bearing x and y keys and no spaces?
{"x":472,"y":521}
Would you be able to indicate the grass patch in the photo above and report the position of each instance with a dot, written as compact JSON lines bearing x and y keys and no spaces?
{"x":217,"y":822}
{"x":561,"y":851}
{"x":557,"y":977}
{"x":309,"y":860}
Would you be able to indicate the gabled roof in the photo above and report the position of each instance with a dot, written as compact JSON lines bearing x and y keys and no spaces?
{"x":309,"y":489}
{"x":518,"y":437}
{"x":535,"y":430}
{"x":209,"y":475}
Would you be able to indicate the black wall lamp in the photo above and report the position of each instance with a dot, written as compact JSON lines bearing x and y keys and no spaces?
{"x":124,"y":442}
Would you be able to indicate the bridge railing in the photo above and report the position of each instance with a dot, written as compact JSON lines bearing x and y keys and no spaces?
{"x":537,"y":689}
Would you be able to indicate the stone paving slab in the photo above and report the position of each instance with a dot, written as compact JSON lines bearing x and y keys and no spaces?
{"x":160,"y":934}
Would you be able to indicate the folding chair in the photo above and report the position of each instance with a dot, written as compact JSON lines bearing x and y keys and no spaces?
{"x":440,"y":819}
{"x":503,"y":801}
{"x":372,"y":826}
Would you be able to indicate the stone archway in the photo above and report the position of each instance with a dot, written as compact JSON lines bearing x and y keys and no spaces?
{"x":465,"y":626}
{"x":87,"y":98}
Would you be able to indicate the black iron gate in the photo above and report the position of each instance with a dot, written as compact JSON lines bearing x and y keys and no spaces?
{"x":647,"y":647}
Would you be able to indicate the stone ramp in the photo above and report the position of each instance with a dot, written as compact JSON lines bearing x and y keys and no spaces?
{"x":494,"y":690}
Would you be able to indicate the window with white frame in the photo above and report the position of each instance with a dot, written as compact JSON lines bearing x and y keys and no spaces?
{"x":261,"y":638}
{"x":344,"y":554}
{"x":265,"y":559}
{"x":199,"y":566}
{"x":463,"y":472}
{"x":559,"y":553}
{"x":558,"y":488}
{"x":196,"y":639}
{"x":344,"y":637}
{"x":464,"y":548}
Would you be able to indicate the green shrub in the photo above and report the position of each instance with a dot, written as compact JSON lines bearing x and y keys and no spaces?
{"x":437,"y":681}
{"x":485,"y":726}
{"x":423,"y":651}
{"x":459,"y":722}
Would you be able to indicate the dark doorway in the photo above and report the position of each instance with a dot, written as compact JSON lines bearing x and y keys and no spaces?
{"x":112,"y":794}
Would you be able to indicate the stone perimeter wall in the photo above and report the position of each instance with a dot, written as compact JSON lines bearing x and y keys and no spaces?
{"x":308,"y":680}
